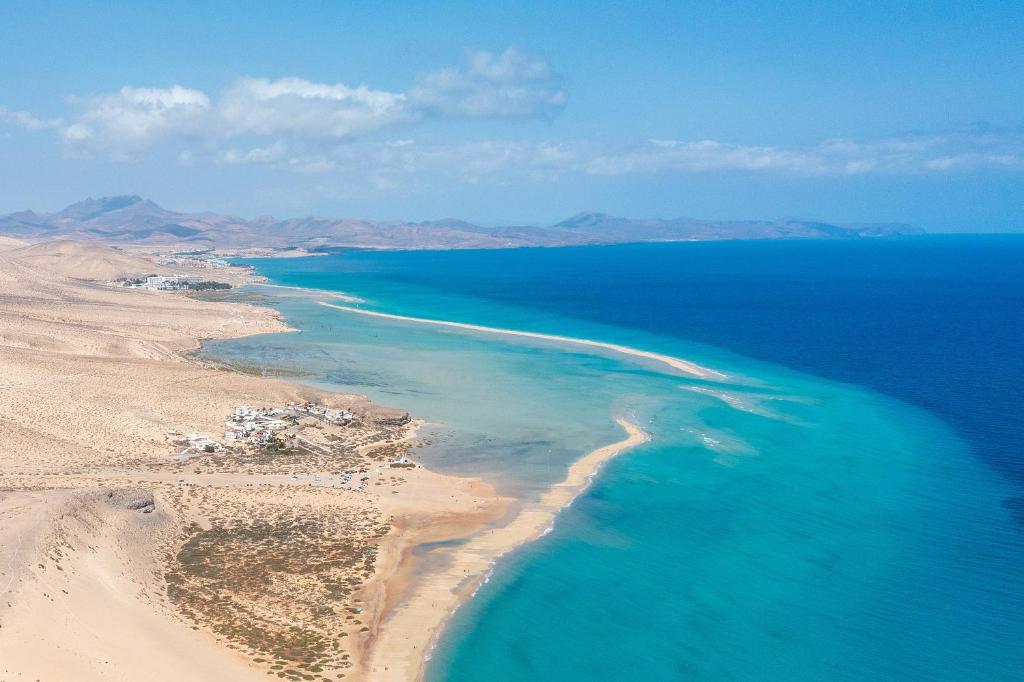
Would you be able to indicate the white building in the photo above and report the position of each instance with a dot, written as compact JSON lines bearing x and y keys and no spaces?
{"x":168,"y":282}
{"x":200,"y":442}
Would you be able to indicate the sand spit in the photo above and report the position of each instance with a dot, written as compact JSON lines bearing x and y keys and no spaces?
{"x":424,"y":603}
{"x":306,"y":293}
{"x":678,"y":364}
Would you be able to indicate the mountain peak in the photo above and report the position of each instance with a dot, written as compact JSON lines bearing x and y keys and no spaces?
{"x":133,"y":219}
{"x":453,"y":223}
{"x":91,"y":208}
{"x":585,"y":219}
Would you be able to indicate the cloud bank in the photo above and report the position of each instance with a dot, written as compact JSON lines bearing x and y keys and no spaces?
{"x":955,"y":151}
{"x":132,"y":120}
{"x":361,"y":134}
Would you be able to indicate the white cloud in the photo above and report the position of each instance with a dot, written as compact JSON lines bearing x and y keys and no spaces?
{"x":77,"y":132}
{"x":366,"y":135}
{"x":409,"y":163}
{"x":509,"y":85}
{"x":295,"y":110}
{"x":23,"y":119}
{"x":300,"y":108}
{"x":131,"y":119}
{"x":274,"y":153}
{"x":965,"y":150}
{"x":700,"y":156}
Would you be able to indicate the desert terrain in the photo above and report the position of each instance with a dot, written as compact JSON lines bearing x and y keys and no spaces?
{"x":136,"y":540}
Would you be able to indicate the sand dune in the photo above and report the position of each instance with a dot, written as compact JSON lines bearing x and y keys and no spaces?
{"x":8,"y":243}
{"x":92,"y":377}
{"x":91,"y":380}
{"x":98,"y":615}
{"x":83,"y":260}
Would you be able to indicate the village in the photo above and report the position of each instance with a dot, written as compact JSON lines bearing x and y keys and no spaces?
{"x":305,"y":440}
{"x":196,"y":271}
{"x":193,"y":260}
{"x":172,"y":283}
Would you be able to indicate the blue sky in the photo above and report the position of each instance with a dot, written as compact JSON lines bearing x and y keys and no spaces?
{"x":904,"y":112}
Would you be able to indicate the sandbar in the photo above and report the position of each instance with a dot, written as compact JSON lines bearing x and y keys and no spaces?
{"x":410,"y":630}
{"x":684,"y":366}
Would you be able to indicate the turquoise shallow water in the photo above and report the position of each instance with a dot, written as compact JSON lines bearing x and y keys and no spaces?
{"x":778,"y":526}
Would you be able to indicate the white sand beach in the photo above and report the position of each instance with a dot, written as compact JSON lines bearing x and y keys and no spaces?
{"x":684,"y":366}
{"x":106,"y":529}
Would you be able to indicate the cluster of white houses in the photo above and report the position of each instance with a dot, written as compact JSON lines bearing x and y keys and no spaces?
{"x":254,"y":425}
{"x":193,"y":260}
{"x":164,"y":282}
{"x":258,"y":426}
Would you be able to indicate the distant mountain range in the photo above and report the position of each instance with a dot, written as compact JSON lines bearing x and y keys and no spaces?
{"x":134,"y":220}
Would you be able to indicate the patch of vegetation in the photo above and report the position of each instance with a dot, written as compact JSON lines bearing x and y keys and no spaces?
{"x":278,"y":587}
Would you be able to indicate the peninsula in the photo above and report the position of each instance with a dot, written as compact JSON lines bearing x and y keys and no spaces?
{"x":163,"y":517}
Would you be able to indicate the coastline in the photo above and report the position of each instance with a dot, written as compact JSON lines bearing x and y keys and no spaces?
{"x":860,"y":451}
{"x":306,"y":291}
{"x":684,"y":366}
{"x":411,"y":629}
{"x":95,"y":378}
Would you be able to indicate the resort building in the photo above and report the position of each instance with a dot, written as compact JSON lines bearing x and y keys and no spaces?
{"x":164,"y":282}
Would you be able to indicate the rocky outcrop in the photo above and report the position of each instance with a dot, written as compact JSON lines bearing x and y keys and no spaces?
{"x":135,"y":499}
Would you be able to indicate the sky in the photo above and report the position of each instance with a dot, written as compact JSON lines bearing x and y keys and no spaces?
{"x":521,"y":113}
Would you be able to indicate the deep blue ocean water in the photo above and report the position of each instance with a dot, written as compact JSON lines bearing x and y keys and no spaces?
{"x":860,"y":517}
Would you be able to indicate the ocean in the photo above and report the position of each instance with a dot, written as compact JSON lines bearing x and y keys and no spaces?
{"x":847,"y":504}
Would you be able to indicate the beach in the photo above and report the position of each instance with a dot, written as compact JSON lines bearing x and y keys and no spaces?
{"x":410,"y":629}
{"x":507,"y":342}
{"x":677,"y":364}
{"x":124,"y":554}
{"x":96,"y":398}
{"x":761,"y":522}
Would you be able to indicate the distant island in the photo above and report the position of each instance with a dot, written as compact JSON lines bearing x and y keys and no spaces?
{"x":135,"y":220}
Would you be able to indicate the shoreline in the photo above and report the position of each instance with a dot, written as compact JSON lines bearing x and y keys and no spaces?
{"x":96,"y":377}
{"x":684,"y":366}
{"x":115,"y":345}
{"x":409,"y":632}
{"x":309,"y":290}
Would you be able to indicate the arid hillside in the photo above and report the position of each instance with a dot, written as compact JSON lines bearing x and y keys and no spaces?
{"x":138,"y":221}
